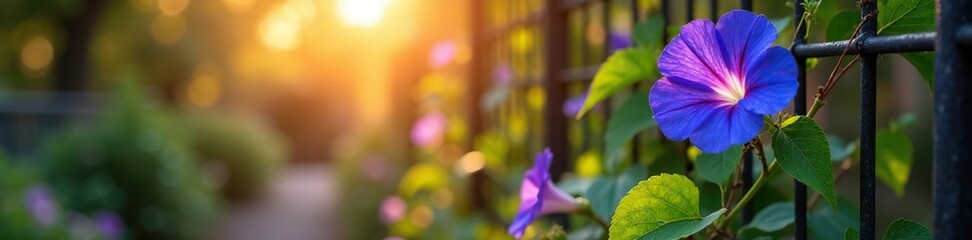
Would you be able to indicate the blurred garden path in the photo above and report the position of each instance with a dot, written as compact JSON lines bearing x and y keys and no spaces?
{"x":299,"y":205}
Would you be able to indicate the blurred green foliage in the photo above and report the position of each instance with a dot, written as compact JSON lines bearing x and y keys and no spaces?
{"x":133,"y":160}
{"x":243,"y":154}
{"x":16,"y":221}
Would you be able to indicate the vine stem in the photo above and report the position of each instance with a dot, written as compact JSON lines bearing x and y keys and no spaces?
{"x":763,"y":178}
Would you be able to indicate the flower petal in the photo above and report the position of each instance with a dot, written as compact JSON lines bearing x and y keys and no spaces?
{"x":695,"y":55}
{"x":729,"y":125}
{"x":556,"y":200}
{"x":680,"y":106}
{"x":771,"y":84}
{"x":745,"y":36}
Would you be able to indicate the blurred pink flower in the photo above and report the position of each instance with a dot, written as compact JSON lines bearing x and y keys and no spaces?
{"x":392,"y":209}
{"x":442,"y":54}
{"x":502,"y":74}
{"x":429,"y":129}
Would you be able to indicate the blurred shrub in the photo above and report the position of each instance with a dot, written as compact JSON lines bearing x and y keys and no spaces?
{"x":134,"y":161}
{"x":242,"y":155}
{"x":17,"y":221}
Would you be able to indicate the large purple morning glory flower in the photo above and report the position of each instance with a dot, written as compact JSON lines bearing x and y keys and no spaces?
{"x":720,"y":80}
{"x":539,"y":196}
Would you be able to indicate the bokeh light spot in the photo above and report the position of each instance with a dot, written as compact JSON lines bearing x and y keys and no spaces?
{"x":172,"y":7}
{"x":37,"y":53}
{"x":204,"y":89}
{"x":422,"y":216}
{"x":442,"y":198}
{"x":470,"y":163}
{"x":168,"y":30}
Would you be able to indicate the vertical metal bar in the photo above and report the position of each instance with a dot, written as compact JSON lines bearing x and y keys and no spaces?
{"x":689,"y":7}
{"x":868,"y":112}
{"x":667,"y":18}
{"x":800,"y":108}
{"x":556,"y":125}
{"x":713,"y":9}
{"x":478,"y":83}
{"x":636,"y":141}
{"x":747,"y":178}
{"x":555,"y":129}
{"x":953,"y":137}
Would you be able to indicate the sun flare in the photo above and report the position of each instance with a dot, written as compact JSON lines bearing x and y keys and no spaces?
{"x":361,"y":13}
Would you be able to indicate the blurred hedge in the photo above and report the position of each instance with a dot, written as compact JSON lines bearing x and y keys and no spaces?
{"x":242,"y":154}
{"x":133,"y":160}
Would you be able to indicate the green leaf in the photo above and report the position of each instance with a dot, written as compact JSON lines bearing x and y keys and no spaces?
{"x":908,"y":16}
{"x":924,"y":62}
{"x":605,"y":192}
{"x":633,"y":116}
{"x":717,"y":168}
{"x":893,"y":159}
{"x":648,"y":34}
{"x":624,"y":68}
{"x":851,"y":234}
{"x":905,"y":16}
{"x":907,"y":229}
{"x":842,"y":26}
{"x":665,"y":206}
{"x":774,"y":217}
{"x":801,"y":148}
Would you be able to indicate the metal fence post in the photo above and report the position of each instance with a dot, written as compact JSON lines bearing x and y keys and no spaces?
{"x":800,"y":108}
{"x":868,"y":114}
{"x":953,"y":114}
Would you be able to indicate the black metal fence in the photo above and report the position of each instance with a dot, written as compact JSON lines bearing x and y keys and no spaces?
{"x":952,"y":88}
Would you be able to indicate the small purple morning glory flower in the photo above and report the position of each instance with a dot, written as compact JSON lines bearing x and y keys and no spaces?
{"x":539,"y":196}
{"x":620,"y":40}
{"x":720,"y":80}
{"x":110,"y":225}
{"x":41,"y":204}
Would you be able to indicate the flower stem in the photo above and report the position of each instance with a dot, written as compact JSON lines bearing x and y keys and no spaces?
{"x":817,"y":104}
{"x":763,"y":178}
{"x":586,"y":211}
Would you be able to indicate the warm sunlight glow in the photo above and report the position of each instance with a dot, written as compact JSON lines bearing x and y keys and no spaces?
{"x":361,"y":13}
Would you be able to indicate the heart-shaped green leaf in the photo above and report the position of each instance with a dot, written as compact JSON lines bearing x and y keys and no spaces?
{"x":907,"y":229}
{"x":909,"y":16}
{"x":716,"y":168}
{"x":665,"y":206}
{"x":622,"y":69}
{"x":803,"y":152}
{"x":774,"y":217}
